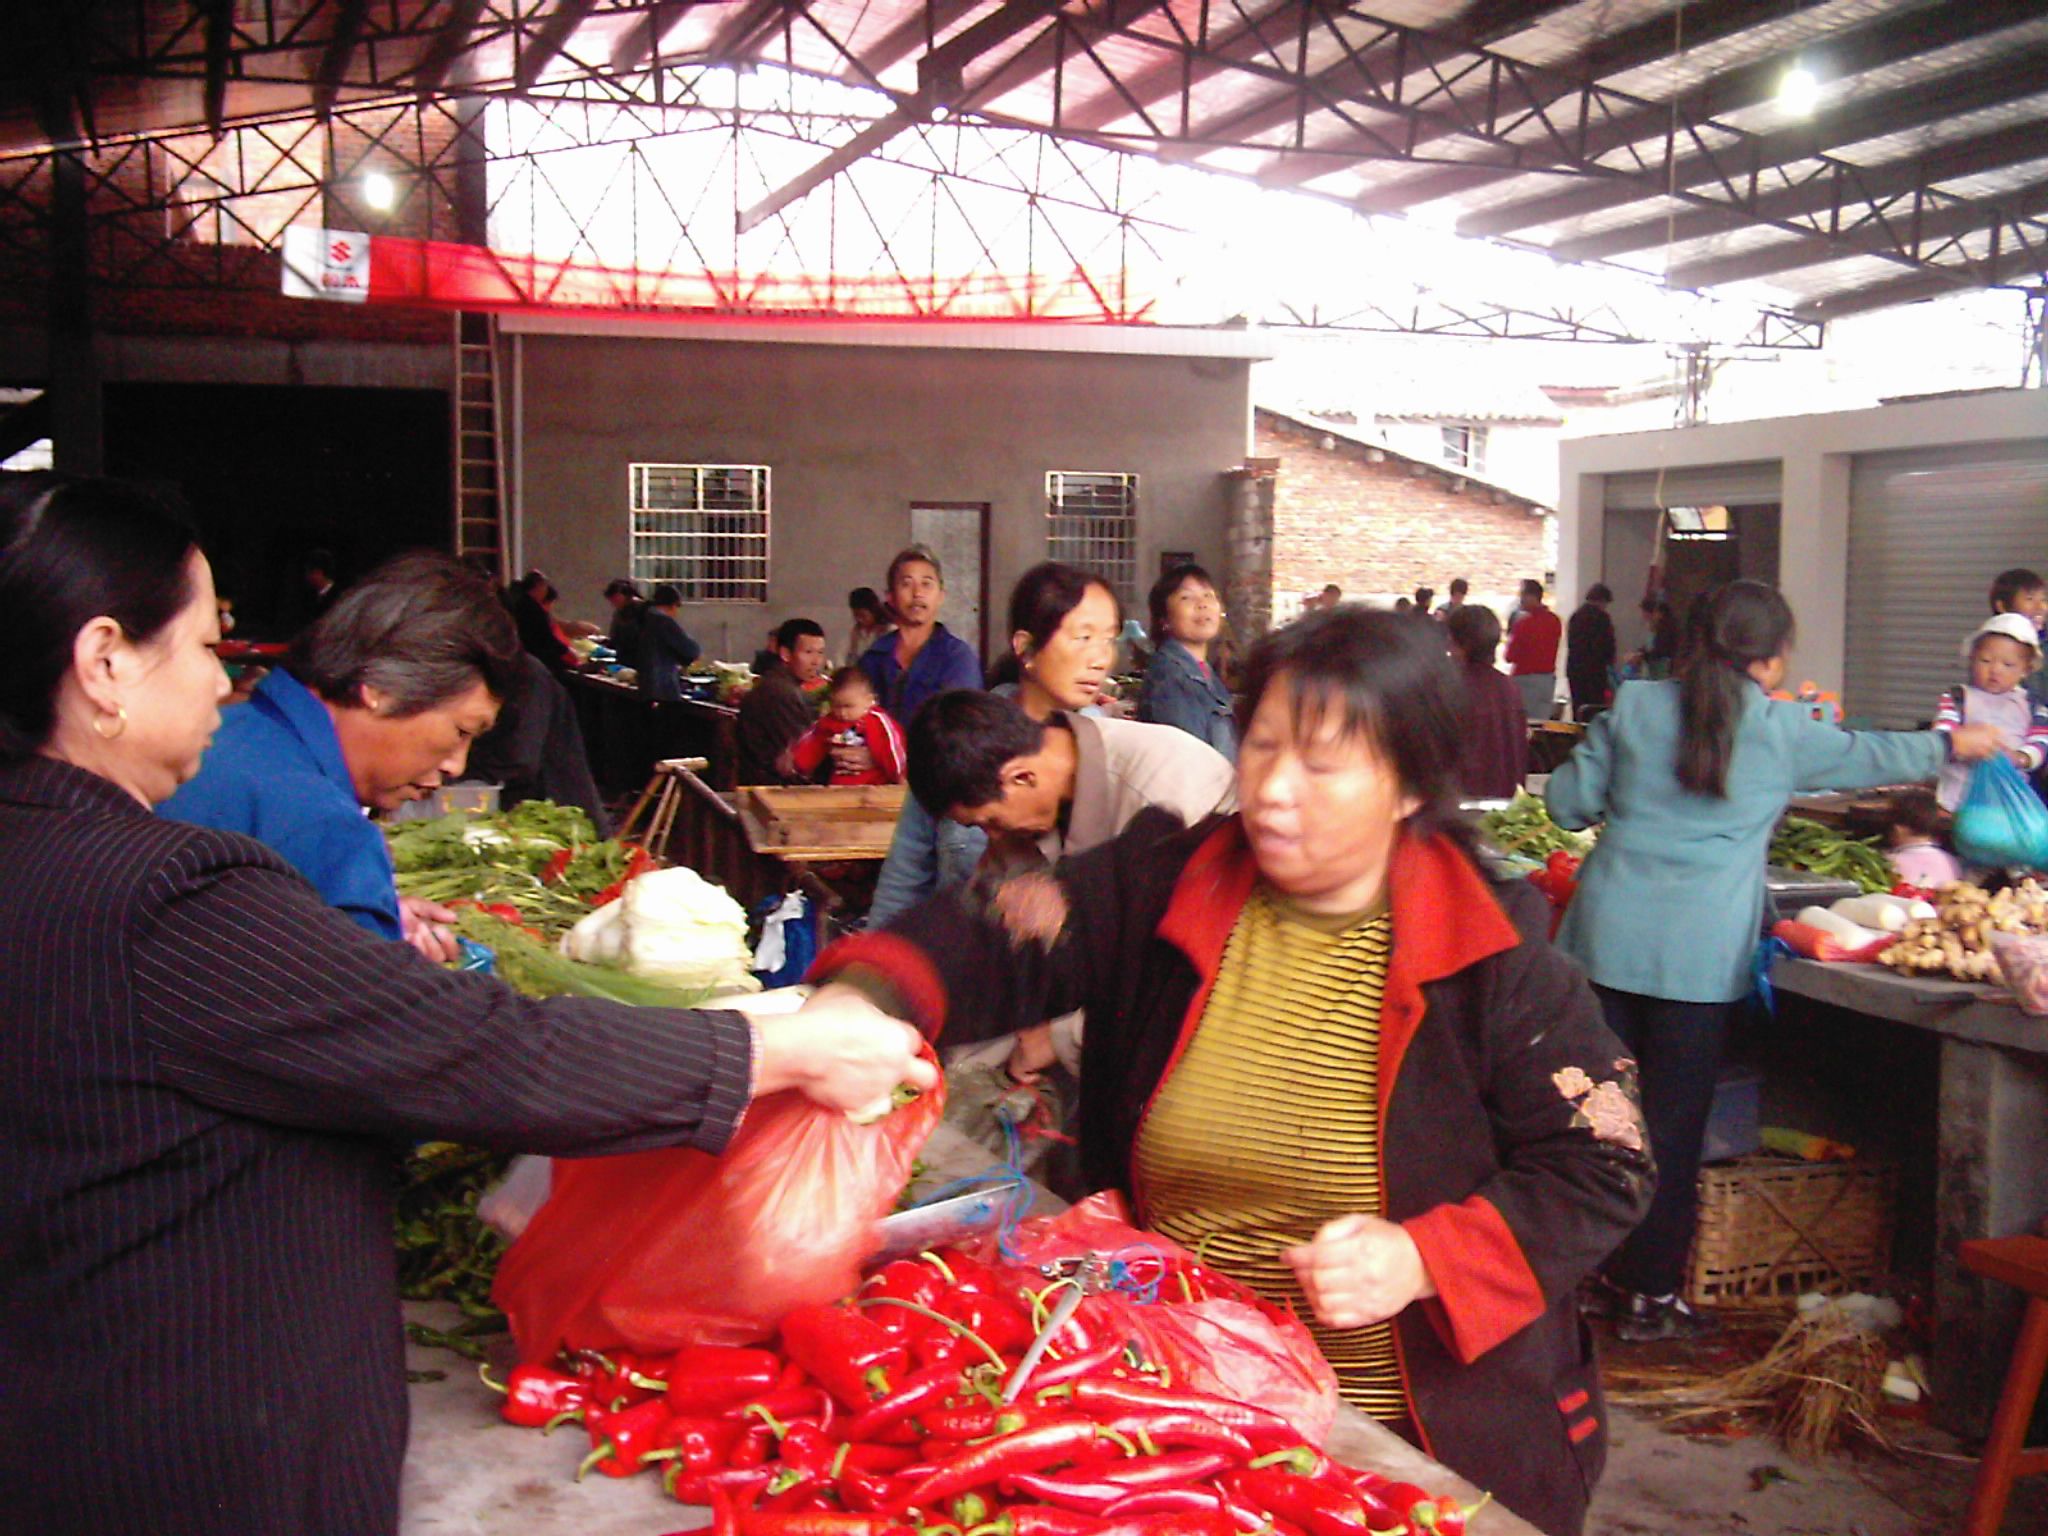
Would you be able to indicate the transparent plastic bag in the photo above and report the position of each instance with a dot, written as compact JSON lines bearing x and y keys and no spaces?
{"x":1210,"y":1332}
{"x":2001,"y":821}
{"x":656,"y":1250}
{"x":2023,"y":962}
{"x":510,"y":1205}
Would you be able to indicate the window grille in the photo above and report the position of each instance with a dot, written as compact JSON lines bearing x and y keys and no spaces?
{"x":703,"y":529}
{"x":1465,"y":448}
{"x":1091,"y":520}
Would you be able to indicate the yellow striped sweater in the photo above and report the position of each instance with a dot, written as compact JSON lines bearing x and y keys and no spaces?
{"x":1269,"y":1125}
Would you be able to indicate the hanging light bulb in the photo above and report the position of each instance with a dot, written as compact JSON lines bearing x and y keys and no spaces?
{"x":1799,"y":90}
{"x":379,"y":191}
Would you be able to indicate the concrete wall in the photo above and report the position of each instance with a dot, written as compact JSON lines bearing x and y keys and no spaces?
{"x":854,"y":434}
{"x":1816,"y":453}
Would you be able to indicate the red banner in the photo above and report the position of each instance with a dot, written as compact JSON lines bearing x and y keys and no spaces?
{"x":441,"y":275}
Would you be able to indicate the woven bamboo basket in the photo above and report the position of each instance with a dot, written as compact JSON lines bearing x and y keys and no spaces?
{"x":1773,"y":1228}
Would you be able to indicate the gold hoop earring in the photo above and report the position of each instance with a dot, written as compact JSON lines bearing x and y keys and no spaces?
{"x":120,"y":719}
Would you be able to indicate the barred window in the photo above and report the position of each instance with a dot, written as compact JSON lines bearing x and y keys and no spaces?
{"x":703,"y":529}
{"x":1091,"y":520}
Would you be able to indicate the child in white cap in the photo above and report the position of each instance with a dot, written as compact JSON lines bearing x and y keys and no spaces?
{"x":2002,"y":653}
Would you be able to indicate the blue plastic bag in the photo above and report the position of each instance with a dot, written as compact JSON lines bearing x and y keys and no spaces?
{"x":2001,"y":821}
{"x":789,"y":939}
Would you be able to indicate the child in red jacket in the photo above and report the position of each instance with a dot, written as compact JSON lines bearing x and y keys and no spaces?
{"x":852,"y":719}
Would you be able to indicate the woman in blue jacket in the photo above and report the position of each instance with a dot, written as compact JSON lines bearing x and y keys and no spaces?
{"x":1690,"y":777}
{"x":1181,"y":686}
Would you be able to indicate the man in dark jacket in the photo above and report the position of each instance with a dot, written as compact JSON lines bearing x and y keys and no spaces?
{"x":777,"y":711}
{"x":1589,"y":652}
{"x":666,"y":648}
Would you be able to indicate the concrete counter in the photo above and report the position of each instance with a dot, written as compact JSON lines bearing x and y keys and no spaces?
{"x":1991,"y":1161}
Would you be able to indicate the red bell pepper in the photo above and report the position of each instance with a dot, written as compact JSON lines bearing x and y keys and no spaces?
{"x":904,"y":1280}
{"x":739,"y":1485}
{"x":536,"y":1396}
{"x":852,"y":1356}
{"x":710,"y":1378}
{"x":701,"y":1445}
{"x":807,"y":1402}
{"x":806,"y":1450}
{"x":998,"y":1321}
{"x":620,"y":1441}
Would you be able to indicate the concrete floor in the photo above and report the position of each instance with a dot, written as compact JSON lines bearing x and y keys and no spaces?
{"x":1661,"y":1483}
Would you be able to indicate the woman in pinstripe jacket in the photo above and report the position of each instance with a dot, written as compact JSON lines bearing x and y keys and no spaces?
{"x":207,"y":1073}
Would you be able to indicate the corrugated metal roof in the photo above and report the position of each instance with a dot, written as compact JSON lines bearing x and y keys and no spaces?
{"x":1477,"y":110}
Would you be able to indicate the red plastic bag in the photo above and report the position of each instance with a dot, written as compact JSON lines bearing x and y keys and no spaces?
{"x":656,"y":1250}
{"x":1227,"y":1340}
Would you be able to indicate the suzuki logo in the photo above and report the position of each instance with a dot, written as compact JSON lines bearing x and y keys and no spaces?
{"x":340,"y":251}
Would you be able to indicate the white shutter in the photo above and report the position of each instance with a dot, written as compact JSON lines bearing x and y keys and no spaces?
{"x":1927,"y":532}
{"x":1702,"y":485}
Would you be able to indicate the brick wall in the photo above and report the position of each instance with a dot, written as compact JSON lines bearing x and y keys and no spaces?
{"x":1379,"y":530}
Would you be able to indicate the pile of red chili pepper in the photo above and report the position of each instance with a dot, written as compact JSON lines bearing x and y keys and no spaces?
{"x":884,"y":1415}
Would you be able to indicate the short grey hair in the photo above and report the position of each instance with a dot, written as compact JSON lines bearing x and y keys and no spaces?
{"x":421,"y":629}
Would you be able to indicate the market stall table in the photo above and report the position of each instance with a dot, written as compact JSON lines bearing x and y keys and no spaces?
{"x":1992,"y":1160}
{"x":469,"y":1474}
{"x":625,"y":733}
{"x":825,"y":840}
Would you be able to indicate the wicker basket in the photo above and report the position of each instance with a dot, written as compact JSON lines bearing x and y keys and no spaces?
{"x":1772,"y":1228}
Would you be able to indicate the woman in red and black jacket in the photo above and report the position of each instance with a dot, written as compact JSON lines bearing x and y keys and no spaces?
{"x":1329,"y":1054}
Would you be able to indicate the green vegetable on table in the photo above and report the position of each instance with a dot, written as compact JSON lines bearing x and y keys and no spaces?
{"x":444,"y":1252}
{"x":1821,"y":850}
{"x":544,"y":860}
{"x":1523,"y":826}
{"x":528,"y":965}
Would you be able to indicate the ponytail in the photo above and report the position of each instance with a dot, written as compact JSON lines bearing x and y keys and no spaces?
{"x":1731,"y":628}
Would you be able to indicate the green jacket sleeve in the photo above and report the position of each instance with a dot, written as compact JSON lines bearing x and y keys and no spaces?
{"x":1577,"y":792}
{"x":1825,"y":757}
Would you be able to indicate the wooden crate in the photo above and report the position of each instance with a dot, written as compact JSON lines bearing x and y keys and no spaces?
{"x":842,"y":821}
{"x":1772,"y":1228}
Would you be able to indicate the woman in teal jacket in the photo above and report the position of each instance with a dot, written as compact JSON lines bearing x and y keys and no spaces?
{"x":1690,"y":777}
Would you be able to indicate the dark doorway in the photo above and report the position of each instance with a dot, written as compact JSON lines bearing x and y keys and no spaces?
{"x":1706,"y":547}
{"x":274,"y":471}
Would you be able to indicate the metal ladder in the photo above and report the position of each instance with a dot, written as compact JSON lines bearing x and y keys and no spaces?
{"x":479,"y":445}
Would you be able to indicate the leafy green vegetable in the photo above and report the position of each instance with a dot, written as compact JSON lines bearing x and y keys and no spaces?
{"x":510,"y":858}
{"x":444,"y":1252}
{"x":527,"y":965}
{"x":1523,"y":826}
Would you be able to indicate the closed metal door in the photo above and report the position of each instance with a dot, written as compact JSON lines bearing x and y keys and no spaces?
{"x":955,"y":532}
{"x":1928,"y":530}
